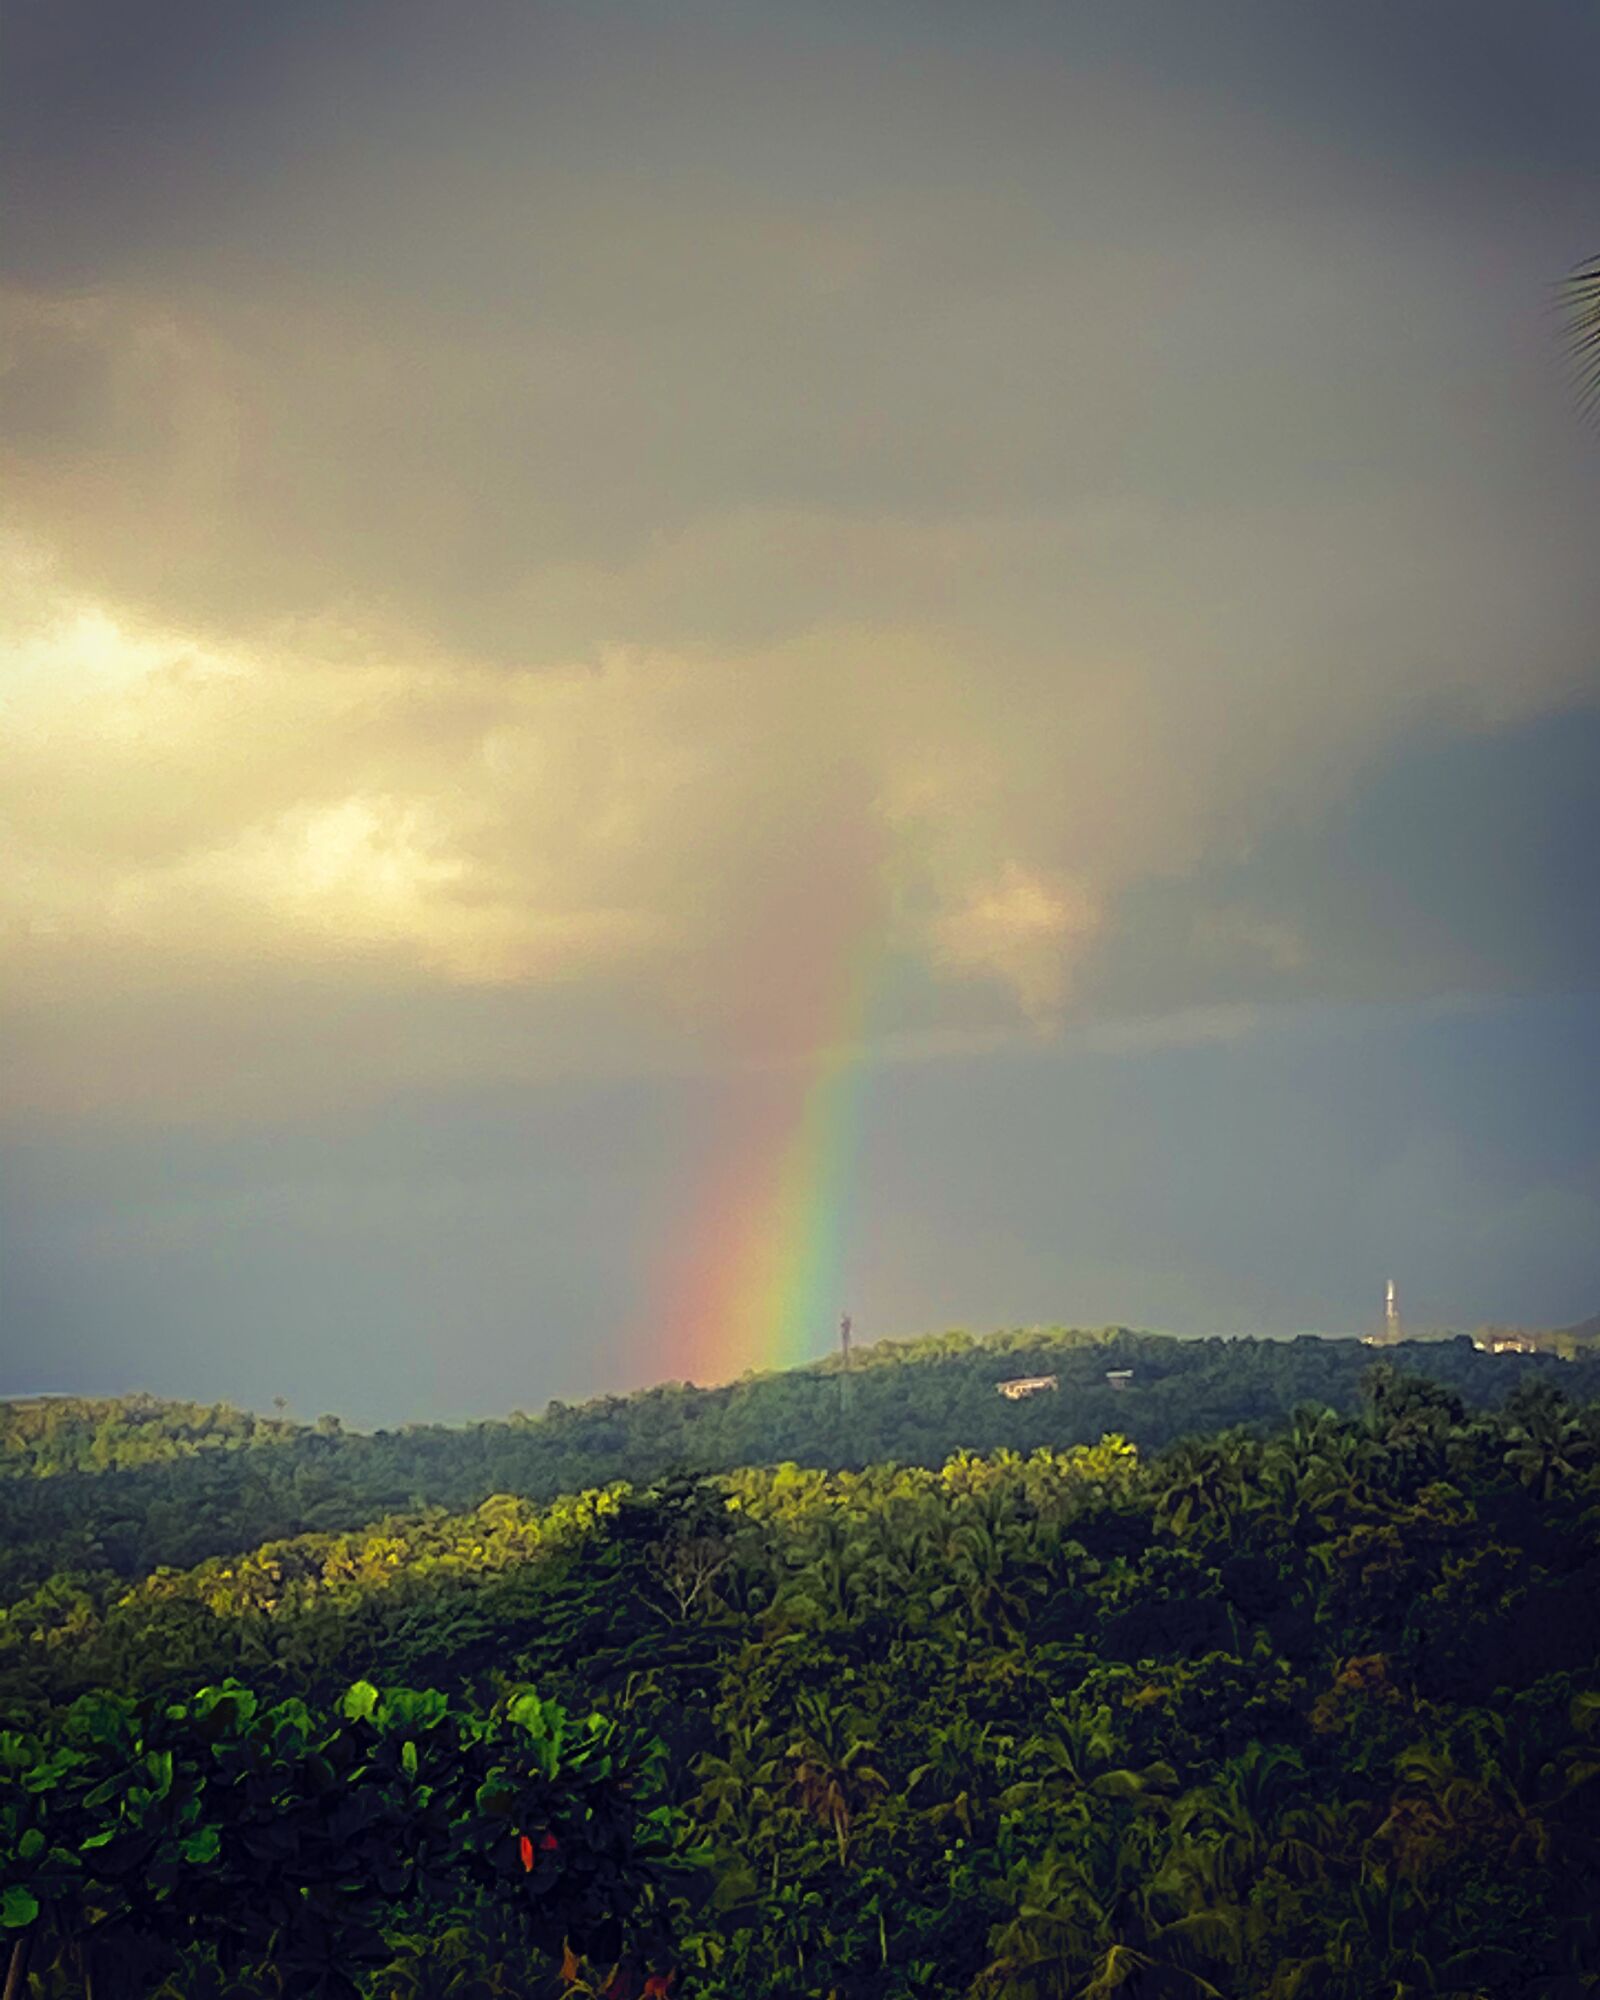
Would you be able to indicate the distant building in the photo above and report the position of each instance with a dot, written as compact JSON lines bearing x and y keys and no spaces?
{"x":1119,"y":1378}
{"x":1027,"y":1385}
{"x":1512,"y":1344}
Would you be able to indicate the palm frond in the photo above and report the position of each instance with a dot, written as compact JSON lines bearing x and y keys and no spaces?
{"x":1578,"y":298}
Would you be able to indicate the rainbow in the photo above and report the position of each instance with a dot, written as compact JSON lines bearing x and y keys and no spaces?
{"x":756,"y":1281}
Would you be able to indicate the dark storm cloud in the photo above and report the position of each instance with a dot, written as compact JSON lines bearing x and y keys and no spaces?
{"x":112,"y":95}
{"x":1461,"y":862}
{"x":489,"y":492}
{"x":1171,"y":388}
{"x":469,"y":1254}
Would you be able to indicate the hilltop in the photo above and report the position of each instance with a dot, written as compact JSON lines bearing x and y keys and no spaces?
{"x":127,"y":1484}
{"x":1305,"y":1708}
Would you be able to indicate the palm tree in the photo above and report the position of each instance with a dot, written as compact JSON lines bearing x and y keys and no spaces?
{"x":1073,"y":1938}
{"x":1204,"y":1480}
{"x":959,"y":1756}
{"x":740,"y":1788}
{"x":1078,"y":1757}
{"x":832,"y":1770}
{"x":976,"y":1561}
{"x":1548,"y":1444}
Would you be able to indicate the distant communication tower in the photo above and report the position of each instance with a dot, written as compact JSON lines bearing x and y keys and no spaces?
{"x":844,"y":1379}
{"x":1391,"y":1313}
{"x":844,"y":1339}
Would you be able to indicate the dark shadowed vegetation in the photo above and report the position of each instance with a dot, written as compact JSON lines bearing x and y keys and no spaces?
{"x":1240,"y":1695}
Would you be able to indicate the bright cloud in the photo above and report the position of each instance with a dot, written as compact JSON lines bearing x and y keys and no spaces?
{"x":489,"y":571}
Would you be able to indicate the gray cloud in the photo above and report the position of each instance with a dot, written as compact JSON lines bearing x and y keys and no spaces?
{"x":533,"y":536}
{"x":1462,"y":862}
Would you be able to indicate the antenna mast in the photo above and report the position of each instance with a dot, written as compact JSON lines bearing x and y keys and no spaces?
{"x":1391,"y":1313}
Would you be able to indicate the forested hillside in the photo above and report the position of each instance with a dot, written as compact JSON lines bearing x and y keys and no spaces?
{"x":122,"y":1486}
{"x":1303,"y":1709}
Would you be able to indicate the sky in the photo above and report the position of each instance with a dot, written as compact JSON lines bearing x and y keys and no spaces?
{"x":665,"y":670}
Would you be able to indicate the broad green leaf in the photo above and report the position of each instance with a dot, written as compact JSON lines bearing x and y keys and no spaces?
{"x":359,"y":1701}
{"x":18,"y":1907}
{"x":202,"y":1846}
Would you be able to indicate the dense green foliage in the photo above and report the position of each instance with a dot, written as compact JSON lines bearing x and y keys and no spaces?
{"x":135,"y":1485}
{"x":203,"y":1838}
{"x":1304,"y":1709}
{"x":44,"y":1435}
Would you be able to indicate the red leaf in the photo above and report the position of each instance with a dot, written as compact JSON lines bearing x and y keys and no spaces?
{"x":548,"y":1843}
{"x":525,"y":1849}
